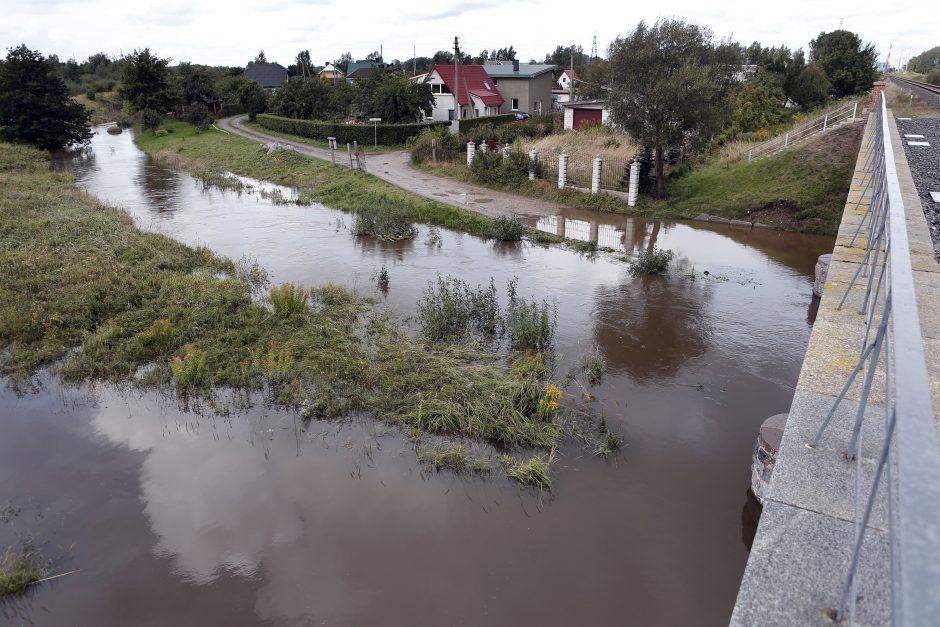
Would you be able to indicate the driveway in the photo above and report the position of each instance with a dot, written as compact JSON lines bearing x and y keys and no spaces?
{"x":395,"y":168}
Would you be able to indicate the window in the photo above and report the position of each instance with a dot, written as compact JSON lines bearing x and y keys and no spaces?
{"x":439,"y":89}
{"x":450,"y":114}
{"x":515,"y":104}
{"x":537,"y":107}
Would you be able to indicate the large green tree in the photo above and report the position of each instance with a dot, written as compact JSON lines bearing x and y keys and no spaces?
{"x":253,"y":97}
{"x":849,"y":65}
{"x":926,"y":61}
{"x":196,"y":84}
{"x":398,"y":100}
{"x":35,"y":107}
{"x":302,"y":98}
{"x":758,"y":104}
{"x":670,"y":85}
{"x":145,"y":82}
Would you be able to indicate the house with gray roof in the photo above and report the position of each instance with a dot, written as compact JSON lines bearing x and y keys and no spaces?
{"x":268,"y":75}
{"x":526,"y":87}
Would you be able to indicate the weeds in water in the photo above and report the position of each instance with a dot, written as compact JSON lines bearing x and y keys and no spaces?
{"x":609,"y":443}
{"x":548,"y":404}
{"x":585,"y":248}
{"x":530,"y":325}
{"x":277,"y":365}
{"x":18,"y":570}
{"x":385,"y":221}
{"x":506,"y":229}
{"x":593,"y":366}
{"x":333,"y":296}
{"x":190,"y":370}
{"x":288,"y":299}
{"x":381,"y":279}
{"x":252,"y":274}
{"x":327,"y":404}
{"x":452,"y":311}
{"x":541,"y":237}
{"x":651,"y":262}
{"x":535,"y":471}
{"x":454,"y":458}
{"x":161,"y":335}
{"x":434,"y":237}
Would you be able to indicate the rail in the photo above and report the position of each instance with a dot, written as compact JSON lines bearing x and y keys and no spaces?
{"x":893,"y":347}
{"x":801,"y":132}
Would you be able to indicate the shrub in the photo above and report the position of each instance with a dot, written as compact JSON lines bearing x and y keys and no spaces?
{"x":90,"y":94}
{"x":469,"y":124}
{"x":386,"y":221}
{"x":492,"y":169}
{"x":388,"y":134}
{"x":451,"y":311}
{"x":652,"y":262}
{"x":530,"y":325}
{"x":933,"y":77}
{"x":288,"y":299}
{"x":449,"y":147}
{"x":506,"y":229}
{"x":198,"y":116}
{"x":161,"y":133}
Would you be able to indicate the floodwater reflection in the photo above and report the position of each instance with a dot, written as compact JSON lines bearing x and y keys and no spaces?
{"x":251,"y":518}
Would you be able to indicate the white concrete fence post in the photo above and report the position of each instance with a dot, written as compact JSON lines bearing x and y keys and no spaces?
{"x":471,"y":152}
{"x":483,"y":147}
{"x":854,"y":110}
{"x":562,"y":170}
{"x":596,"y":174}
{"x":634,"y":189}
{"x":533,"y":160}
{"x":786,"y":140}
{"x":826,"y":122}
{"x":506,"y":149}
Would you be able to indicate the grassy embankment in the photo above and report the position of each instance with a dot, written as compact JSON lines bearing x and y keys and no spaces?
{"x":340,"y":151}
{"x":90,"y":295}
{"x":100,"y":107}
{"x":802,"y":189}
{"x":207,"y":155}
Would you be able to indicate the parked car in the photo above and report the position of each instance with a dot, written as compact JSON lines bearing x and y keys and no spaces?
{"x":522,"y":116}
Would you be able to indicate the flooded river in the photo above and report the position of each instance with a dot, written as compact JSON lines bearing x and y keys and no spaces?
{"x":175,"y":518}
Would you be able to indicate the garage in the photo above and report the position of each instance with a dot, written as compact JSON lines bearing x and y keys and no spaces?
{"x":577,"y":114}
{"x":587,"y":116}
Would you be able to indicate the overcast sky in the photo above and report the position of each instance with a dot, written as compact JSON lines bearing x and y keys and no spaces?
{"x":232,"y":32}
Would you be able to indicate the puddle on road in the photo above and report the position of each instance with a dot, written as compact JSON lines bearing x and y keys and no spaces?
{"x":181,"y":518}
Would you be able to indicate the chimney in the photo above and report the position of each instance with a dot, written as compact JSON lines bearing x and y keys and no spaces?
{"x":515,"y":65}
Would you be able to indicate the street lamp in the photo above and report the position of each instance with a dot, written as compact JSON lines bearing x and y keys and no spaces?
{"x":375,"y":125}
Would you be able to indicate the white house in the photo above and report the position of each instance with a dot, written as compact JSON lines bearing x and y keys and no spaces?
{"x":477,"y":93}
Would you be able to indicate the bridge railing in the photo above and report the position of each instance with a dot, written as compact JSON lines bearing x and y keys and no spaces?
{"x":893,"y":349}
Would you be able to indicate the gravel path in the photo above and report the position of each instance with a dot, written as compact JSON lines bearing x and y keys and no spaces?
{"x":925,"y":169}
{"x":395,"y":168}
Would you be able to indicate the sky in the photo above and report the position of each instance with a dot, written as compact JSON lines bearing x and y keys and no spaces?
{"x":232,"y":32}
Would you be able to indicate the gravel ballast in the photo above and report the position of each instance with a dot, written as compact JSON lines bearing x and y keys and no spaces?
{"x":925,"y":170}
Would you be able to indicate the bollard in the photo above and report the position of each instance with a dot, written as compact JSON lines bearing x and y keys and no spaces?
{"x":634,"y":189}
{"x":786,"y":140}
{"x":562,"y":170}
{"x":826,"y":122}
{"x":533,"y":160}
{"x":483,"y":147}
{"x":471,"y":152}
{"x":855,"y":108}
{"x":349,"y":150}
{"x":506,"y":148}
{"x":434,"y":150}
{"x":332,"y":141}
{"x":596,"y":174}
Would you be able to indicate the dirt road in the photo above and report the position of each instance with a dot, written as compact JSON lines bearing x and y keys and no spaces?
{"x":395,"y":168}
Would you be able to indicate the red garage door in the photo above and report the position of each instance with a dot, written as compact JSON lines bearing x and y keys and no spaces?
{"x":586,"y":116}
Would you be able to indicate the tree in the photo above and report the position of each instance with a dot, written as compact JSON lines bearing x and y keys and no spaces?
{"x":758,"y":104}
{"x":925,"y":62}
{"x":195,"y":84}
{"x":253,"y":98}
{"x":301,"y":98}
{"x":374,"y":56}
{"x":145,"y":82}
{"x":594,"y":81}
{"x":670,"y":85}
{"x":304,"y":66}
{"x":35,"y":107}
{"x":342,"y":63}
{"x":398,"y":100}
{"x":811,"y":88}
{"x":566,"y":56}
{"x":261,"y":57}
{"x":849,"y":65}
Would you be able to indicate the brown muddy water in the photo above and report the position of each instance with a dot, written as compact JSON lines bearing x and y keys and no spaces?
{"x":177,"y":518}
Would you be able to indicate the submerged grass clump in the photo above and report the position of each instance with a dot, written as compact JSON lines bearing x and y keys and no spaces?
{"x":455,"y":458}
{"x":385,"y":221}
{"x":121,"y":305}
{"x":535,"y":471}
{"x":506,"y":229}
{"x":651,"y":262}
{"x":18,"y":571}
{"x":288,"y":299}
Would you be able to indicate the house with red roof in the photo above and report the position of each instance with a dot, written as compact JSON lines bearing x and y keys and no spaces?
{"x":562,"y":93}
{"x":470,"y":86}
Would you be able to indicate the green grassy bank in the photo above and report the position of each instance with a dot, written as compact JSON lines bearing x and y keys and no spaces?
{"x":212,"y":152}
{"x":91,"y":296}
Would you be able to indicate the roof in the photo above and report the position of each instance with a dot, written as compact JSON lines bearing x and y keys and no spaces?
{"x":268,"y":75}
{"x":526,"y":70}
{"x":331,"y":69}
{"x":361,"y":72}
{"x":354,"y":66}
{"x":571,"y":74}
{"x":473,"y":78}
{"x":586,"y":104}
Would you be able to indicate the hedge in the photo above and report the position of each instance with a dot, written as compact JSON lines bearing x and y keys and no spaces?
{"x":471,"y":123}
{"x":388,"y":134}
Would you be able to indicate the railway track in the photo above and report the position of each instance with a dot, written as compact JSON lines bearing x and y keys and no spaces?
{"x":930,"y":94}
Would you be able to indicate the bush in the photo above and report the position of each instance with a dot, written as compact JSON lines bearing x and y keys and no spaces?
{"x":386,"y":221}
{"x":530,"y":325}
{"x":506,"y":229}
{"x":933,"y":77}
{"x":288,"y":299}
{"x":161,"y":132}
{"x":198,"y":115}
{"x":467,"y":125}
{"x":449,"y":146}
{"x":452,"y":311}
{"x":90,"y":94}
{"x":492,"y":169}
{"x":388,"y":134}
{"x":652,"y":262}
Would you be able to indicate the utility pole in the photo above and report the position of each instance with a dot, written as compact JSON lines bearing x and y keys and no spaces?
{"x":414,"y":60}
{"x":457,"y":80}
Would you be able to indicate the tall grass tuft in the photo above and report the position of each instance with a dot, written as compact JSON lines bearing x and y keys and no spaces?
{"x":651,"y":262}
{"x":18,"y":571}
{"x":386,"y":221}
{"x":455,"y":458}
{"x":535,"y":471}
{"x":506,"y":229}
{"x":288,"y":299}
{"x":189,"y":369}
{"x":529,"y":325}
{"x":452,"y":311}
